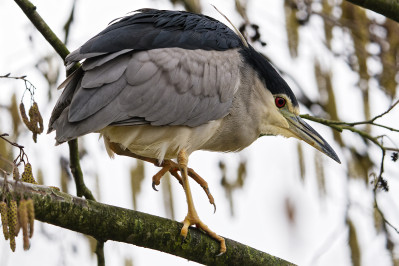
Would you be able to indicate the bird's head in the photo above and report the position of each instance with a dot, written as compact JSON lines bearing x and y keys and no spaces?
{"x":282,"y":106}
{"x":285,"y":121}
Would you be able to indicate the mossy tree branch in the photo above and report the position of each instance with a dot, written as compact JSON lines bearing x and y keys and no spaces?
{"x":108,"y":222}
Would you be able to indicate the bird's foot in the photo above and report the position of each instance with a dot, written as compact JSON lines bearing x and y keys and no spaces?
{"x":195,"y":220}
{"x":173,"y":168}
{"x":166,"y":166}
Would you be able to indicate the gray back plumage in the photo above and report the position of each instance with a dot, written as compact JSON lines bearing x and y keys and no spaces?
{"x":148,"y":69}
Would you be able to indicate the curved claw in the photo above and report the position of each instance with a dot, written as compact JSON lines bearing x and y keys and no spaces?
{"x":154,"y":188}
{"x":210,"y":197}
{"x":183,"y":239}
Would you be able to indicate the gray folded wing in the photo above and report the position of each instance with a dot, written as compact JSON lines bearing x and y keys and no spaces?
{"x":167,"y":86}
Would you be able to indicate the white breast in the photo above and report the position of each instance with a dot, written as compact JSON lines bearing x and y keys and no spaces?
{"x":160,"y":142}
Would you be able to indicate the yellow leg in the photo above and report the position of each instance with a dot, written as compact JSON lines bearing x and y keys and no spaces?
{"x":167,"y":165}
{"x":192,"y":216}
{"x":172,"y":167}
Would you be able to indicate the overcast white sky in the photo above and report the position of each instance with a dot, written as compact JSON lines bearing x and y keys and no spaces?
{"x":317,"y":237}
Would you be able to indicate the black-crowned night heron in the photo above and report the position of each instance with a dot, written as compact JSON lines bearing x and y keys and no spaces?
{"x":159,"y":85}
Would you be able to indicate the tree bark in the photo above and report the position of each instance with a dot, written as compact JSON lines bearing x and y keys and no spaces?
{"x":108,"y":222}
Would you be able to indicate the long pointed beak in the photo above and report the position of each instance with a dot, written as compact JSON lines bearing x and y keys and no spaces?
{"x":306,"y":133}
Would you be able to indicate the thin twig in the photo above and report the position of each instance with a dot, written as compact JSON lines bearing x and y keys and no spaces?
{"x":22,"y":155}
{"x":340,"y":126}
{"x":81,"y":189}
{"x":28,"y":85}
{"x":333,"y":123}
{"x":2,"y":136}
{"x":382,"y":214}
{"x":379,"y":181}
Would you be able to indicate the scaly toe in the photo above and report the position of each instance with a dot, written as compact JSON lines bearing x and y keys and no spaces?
{"x":184,"y":230}
{"x":212,"y":234}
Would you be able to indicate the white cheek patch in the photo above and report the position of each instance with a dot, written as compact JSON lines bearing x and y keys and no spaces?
{"x":272,"y":130}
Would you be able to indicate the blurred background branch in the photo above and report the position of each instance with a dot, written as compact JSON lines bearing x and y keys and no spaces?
{"x":388,"y":8}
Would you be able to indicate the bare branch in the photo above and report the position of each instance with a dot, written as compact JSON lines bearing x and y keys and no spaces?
{"x":383,"y":216}
{"x":22,"y":155}
{"x":28,"y":85}
{"x":30,"y":11}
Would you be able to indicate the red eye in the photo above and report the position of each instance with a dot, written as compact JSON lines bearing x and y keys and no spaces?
{"x":280,"y":102}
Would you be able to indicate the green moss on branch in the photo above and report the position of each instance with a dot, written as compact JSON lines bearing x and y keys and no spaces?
{"x":108,"y":222}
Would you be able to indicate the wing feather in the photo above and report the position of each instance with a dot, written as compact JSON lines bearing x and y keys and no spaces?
{"x":167,"y":86}
{"x":66,"y":97}
{"x":87,"y":102}
{"x":139,"y":72}
{"x":107,"y":73}
{"x":92,"y":63}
